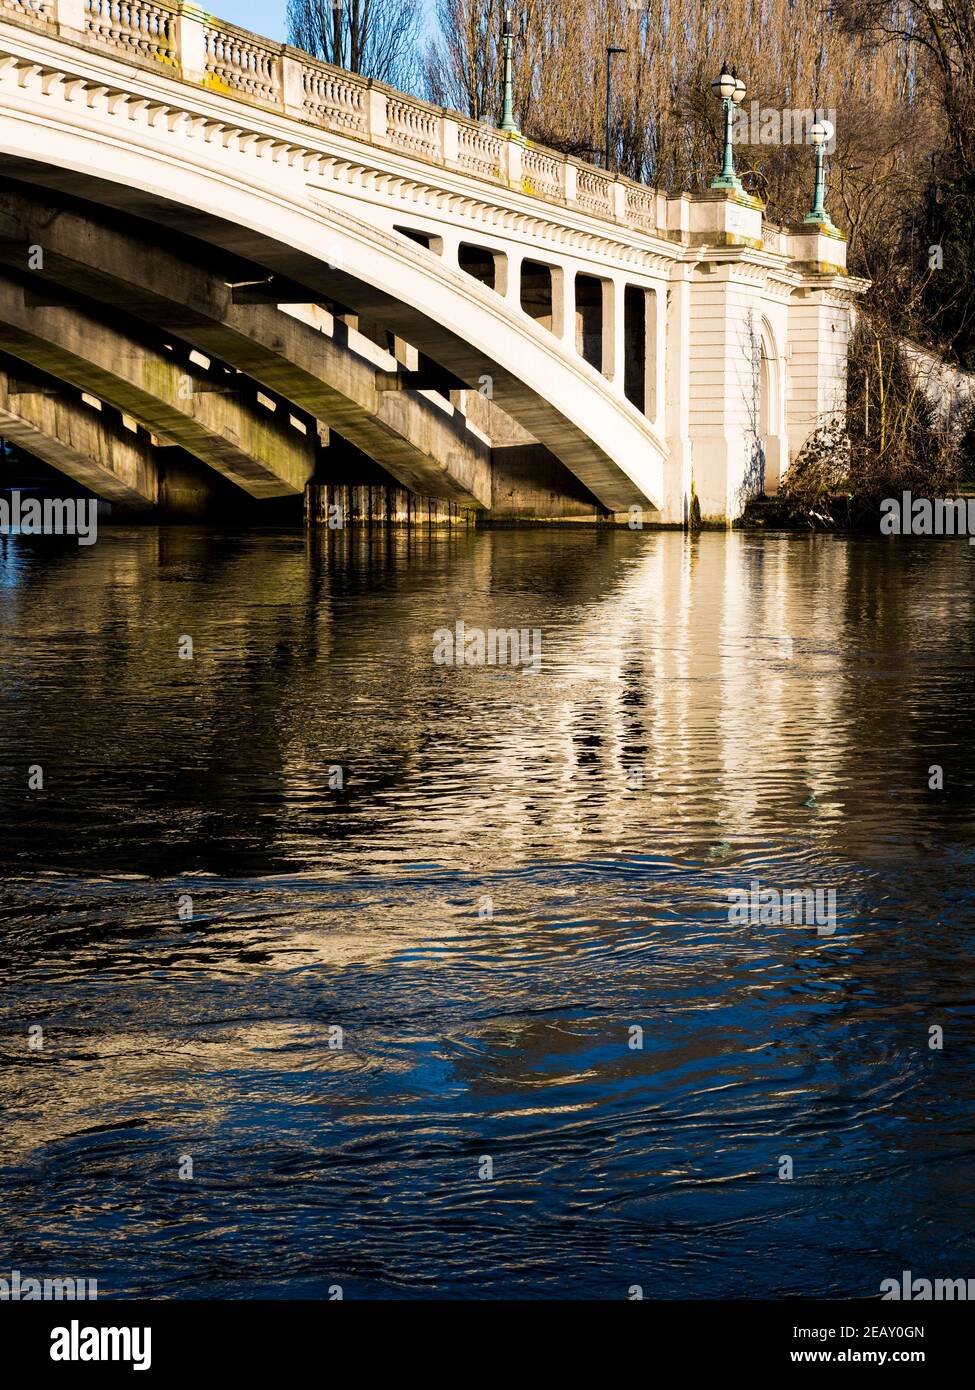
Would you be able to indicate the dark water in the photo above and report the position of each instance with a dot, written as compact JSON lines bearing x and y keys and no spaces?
{"x":365,"y":908}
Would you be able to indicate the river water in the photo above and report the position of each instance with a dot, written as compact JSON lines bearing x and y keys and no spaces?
{"x":393,"y":1026}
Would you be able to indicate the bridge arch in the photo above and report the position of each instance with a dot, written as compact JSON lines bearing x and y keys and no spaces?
{"x":255,"y":198}
{"x":771,"y":406}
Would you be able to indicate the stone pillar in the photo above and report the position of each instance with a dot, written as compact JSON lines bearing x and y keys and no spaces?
{"x":292,"y":84}
{"x":566,"y":287}
{"x":502,"y":273}
{"x":724,"y":388}
{"x":674,"y":349}
{"x":819,"y":330}
{"x":656,"y":354}
{"x":559,"y":319}
{"x":70,"y":16}
{"x":512,"y":163}
{"x":449,"y":141}
{"x":190,"y":42}
{"x":378,"y":121}
{"x":613,"y":332}
{"x":513,"y":286}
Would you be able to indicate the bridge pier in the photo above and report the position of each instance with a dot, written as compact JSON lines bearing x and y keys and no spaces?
{"x":336,"y":506}
{"x":819,"y":330}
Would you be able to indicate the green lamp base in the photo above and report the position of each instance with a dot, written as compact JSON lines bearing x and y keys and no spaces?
{"x":731,"y":183}
{"x":821,"y":219}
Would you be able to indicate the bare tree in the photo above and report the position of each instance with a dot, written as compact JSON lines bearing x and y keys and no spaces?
{"x":377,"y":38}
{"x":463,"y":60}
{"x":798,"y":55}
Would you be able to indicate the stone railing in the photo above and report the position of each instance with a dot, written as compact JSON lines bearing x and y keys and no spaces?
{"x":197,"y":48}
{"x":194,"y":47}
{"x":411,"y":127}
{"x":236,"y":62}
{"x":137,"y":30}
{"x":543,"y":172}
{"x":40,"y":11}
{"x":329,"y":98}
{"x":480,"y":150}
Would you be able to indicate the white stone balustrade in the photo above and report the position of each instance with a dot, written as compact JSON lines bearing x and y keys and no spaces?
{"x":224,"y":58}
{"x":544,"y":172}
{"x":41,"y":11}
{"x":139,"y":28}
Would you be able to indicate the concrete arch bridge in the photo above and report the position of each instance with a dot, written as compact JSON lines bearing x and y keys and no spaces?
{"x":232,"y":275}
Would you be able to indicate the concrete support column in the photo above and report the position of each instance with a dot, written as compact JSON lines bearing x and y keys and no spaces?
{"x":655,"y":354}
{"x":674,"y":333}
{"x":613,"y":332}
{"x":449,"y":247}
{"x":406,"y":354}
{"x":725,"y":384}
{"x":660,"y":358}
{"x":560,"y":279}
{"x":566,"y":315}
{"x":512,"y":291}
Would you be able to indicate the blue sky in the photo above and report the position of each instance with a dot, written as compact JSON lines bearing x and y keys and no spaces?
{"x":264,"y":17}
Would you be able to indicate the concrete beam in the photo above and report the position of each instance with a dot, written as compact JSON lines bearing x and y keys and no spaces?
{"x":423,"y":446}
{"x":89,"y":442}
{"x":246,"y":443}
{"x":427,"y":378}
{"x":89,"y":445}
{"x":270,"y":289}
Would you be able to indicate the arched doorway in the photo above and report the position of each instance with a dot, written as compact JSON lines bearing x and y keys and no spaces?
{"x":769,"y":429}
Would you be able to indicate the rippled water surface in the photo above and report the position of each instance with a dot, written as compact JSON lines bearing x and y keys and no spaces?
{"x":487,"y":907}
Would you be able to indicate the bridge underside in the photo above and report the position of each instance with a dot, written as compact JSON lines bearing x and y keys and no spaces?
{"x":179,"y":356}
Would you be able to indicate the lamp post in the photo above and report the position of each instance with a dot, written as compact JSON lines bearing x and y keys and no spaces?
{"x":821,"y":134}
{"x":611,"y":53}
{"x":507,"y":110}
{"x":730,"y":90}
{"x":337,"y":32}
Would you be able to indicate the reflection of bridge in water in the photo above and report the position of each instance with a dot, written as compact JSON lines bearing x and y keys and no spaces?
{"x":314,"y":907}
{"x":739,"y":690}
{"x":232,"y":272}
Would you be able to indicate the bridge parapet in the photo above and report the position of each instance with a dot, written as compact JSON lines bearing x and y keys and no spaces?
{"x":223,"y":58}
